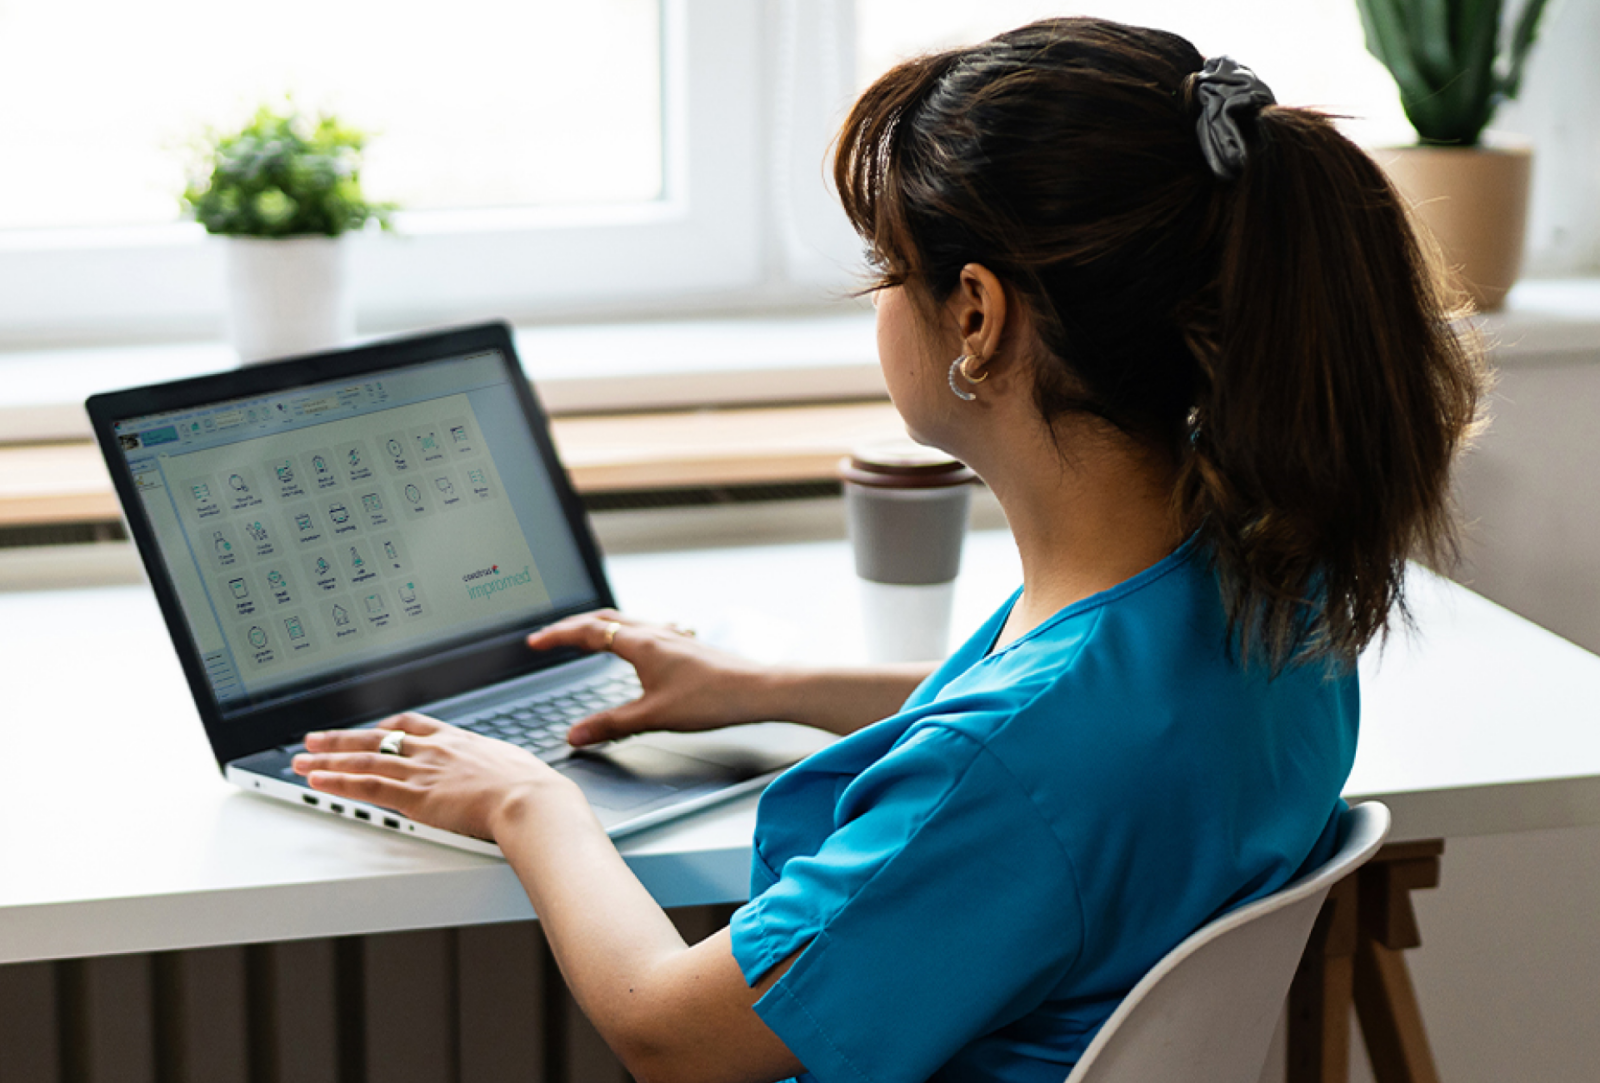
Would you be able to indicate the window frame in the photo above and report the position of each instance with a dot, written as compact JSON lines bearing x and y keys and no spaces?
{"x":752,"y":92}
{"x":706,"y":240}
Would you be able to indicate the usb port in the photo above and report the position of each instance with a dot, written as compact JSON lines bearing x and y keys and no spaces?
{"x":363,"y":814}
{"x":390,"y":821}
{"x":335,"y":806}
{"x":308,"y":799}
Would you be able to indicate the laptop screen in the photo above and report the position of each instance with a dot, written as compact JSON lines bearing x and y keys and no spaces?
{"x":315,"y":534}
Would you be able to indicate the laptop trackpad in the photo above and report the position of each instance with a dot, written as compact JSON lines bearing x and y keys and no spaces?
{"x":630,"y":775}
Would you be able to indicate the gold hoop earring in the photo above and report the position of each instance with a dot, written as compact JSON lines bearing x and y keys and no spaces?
{"x":959,"y":366}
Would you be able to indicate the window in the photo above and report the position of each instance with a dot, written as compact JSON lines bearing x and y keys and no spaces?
{"x":1310,"y":52}
{"x":629,"y":135}
{"x":682,"y":168}
{"x":467,"y":117}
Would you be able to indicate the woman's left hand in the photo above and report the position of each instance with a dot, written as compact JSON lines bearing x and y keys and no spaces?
{"x":442,"y":776}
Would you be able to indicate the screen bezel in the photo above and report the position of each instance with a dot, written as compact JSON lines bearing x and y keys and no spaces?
{"x":367,"y":692}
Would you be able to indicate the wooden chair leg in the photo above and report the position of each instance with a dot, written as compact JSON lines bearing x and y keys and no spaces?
{"x":1319,"y":998}
{"x":1385,"y":999}
{"x":1356,"y":955}
{"x":1391,"y":1020}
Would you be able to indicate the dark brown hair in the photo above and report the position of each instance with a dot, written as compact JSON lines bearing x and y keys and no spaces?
{"x":1283,"y":334}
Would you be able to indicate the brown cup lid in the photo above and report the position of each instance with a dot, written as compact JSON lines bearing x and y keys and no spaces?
{"x":903,"y":464}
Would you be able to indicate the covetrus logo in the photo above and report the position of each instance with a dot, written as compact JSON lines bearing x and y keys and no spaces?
{"x":487,"y":581}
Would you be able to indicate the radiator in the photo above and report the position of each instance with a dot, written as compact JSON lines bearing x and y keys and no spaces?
{"x":483,"y":1004}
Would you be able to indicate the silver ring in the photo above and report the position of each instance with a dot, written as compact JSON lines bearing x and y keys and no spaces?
{"x":393,"y":742}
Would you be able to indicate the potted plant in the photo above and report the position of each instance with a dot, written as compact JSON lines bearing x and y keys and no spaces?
{"x":284,"y":190}
{"x":1455,"y":64}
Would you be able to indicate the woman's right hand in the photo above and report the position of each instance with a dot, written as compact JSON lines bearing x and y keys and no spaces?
{"x":687,"y":685}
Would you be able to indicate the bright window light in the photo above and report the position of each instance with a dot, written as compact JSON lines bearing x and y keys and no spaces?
{"x":1310,"y":52}
{"x":474,"y":104}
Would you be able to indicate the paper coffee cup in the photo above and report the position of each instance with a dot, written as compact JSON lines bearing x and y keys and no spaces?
{"x":906,"y":509}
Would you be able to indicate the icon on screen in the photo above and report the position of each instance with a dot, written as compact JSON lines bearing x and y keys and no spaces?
{"x":372,"y":502}
{"x":239,"y":589}
{"x":408,"y":593}
{"x":319,"y":464}
{"x":294,"y":628}
{"x":322,"y":566}
{"x":237,"y":483}
{"x":395,"y":449}
{"x":355,"y":456}
{"x":444,"y":486}
{"x":258,"y":638}
{"x":355,"y":559}
{"x":458,"y":433}
{"x":374,"y":604}
{"x":390,"y":551}
{"x":286,"y":473}
{"x":341,"y":616}
{"x":221,"y":544}
{"x":339,"y":513}
{"x":275,"y":578}
{"x":257,"y":531}
{"x":476,"y":478}
{"x":201,"y":492}
{"x":414,"y":494}
{"x":303,"y":522}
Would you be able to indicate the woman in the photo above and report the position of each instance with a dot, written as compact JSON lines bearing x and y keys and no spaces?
{"x":1188,"y":340}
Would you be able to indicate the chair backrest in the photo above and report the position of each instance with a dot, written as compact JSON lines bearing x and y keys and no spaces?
{"x":1206,"y":1012}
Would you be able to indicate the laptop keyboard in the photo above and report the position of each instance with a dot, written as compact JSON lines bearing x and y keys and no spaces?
{"x":540,"y":724}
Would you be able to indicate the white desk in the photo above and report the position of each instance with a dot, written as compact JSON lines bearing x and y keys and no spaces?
{"x":117,"y":834}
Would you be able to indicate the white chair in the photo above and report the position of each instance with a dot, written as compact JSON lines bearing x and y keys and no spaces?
{"x":1206,"y":1012}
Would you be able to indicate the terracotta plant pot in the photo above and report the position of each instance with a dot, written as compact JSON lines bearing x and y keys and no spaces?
{"x":1474,"y":200}
{"x":288,"y":296}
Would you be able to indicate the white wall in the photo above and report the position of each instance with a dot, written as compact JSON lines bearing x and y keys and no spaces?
{"x":1531,"y":496}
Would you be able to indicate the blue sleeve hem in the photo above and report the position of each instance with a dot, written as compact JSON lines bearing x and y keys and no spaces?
{"x":804,"y":1035}
{"x":752,"y":948}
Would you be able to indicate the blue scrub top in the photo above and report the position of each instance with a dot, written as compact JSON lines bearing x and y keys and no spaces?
{"x":978,"y":880}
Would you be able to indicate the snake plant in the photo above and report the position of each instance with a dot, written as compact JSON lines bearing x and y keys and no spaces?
{"x":1451,"y":60}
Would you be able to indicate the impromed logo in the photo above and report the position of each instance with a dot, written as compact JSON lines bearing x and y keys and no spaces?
{"x":486,"y":581}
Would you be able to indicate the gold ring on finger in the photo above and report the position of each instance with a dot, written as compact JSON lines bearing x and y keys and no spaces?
{"x":612,"y":628}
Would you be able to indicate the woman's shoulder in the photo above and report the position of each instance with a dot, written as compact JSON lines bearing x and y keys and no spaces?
{"x":1139,"y":686}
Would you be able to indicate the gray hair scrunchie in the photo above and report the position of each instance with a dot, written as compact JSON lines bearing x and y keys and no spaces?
{"x":1227,"y":93}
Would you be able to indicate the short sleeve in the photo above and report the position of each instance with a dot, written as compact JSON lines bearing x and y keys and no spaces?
{"x":940,"y":908}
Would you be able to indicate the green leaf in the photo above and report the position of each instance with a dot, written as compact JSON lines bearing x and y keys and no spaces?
{"x":1474,"y":90}
{"x":1384,"y":25}
{"x":1523,"y":36}
{"x":1433,"y":46}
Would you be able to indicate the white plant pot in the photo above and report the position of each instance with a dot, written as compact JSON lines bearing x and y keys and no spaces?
{"x":288,"y":296}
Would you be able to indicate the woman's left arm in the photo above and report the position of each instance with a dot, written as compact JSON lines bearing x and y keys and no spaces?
{"x":670,"y":1010}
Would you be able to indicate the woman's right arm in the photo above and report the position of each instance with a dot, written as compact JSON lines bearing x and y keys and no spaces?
{"x":690,"y":686}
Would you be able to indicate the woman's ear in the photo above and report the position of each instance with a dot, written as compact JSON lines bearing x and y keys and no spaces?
{"x":978,"y":309}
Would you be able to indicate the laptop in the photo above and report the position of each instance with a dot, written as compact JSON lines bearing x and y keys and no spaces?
{"x":339,"y":537}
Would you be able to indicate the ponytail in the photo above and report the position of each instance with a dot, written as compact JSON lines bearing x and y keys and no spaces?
{"x":1334,"y":394}
{"x":1210,"y":274}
